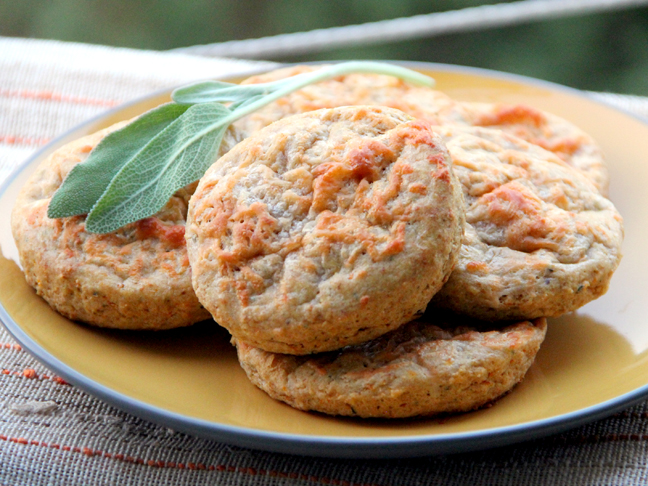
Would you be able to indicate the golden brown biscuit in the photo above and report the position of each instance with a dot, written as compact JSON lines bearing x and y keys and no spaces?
{"x":325,"y":229}
{"x":426,"y":367}
{"x":564,"y":139}
{"x":137,"y":277}
{"x":540,"y":240}
{"x":535,"y":126}
{"x":351,"y":89}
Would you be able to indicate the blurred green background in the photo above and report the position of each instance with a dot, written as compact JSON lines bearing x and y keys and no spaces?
{"x":603,"y":51}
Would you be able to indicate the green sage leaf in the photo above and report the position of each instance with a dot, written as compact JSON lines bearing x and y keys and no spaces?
{"x":219,"y":91}
{"x":178,"y":155}
{"x":87,"y":181}
{"x":243,"y":103}
{"x":211,"y":91}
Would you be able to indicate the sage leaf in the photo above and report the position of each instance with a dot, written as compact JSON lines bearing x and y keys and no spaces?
{"x":210,"y":91}
{"x":244,"y":103}
{"x":219,"y":91}
{"x":175,"y":157}
{"x":87,"y":182}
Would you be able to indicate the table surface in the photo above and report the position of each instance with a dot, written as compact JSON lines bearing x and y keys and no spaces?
{"x":53,"y":433}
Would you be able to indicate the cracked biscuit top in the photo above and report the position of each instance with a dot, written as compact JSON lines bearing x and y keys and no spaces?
{"x":540,"y":239}
{"x":325,"y":229}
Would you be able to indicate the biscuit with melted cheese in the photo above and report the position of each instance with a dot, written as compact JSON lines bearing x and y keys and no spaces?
{"x":347,"y":90}
{"x":425,"y":367}
{"x":137,"y":277}
{"x":540,"y":240}
{"x":555,"y":134}
{"x":325,"y":229}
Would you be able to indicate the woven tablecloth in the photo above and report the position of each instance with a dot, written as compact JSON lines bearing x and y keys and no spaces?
{"x":52,"y":433}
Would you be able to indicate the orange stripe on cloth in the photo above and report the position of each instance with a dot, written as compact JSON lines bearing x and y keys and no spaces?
{"x":31,"y":374}
{"x":249,"y":471}
{"x":17,"y":347}
{"x":17,"y":140}
{"x":51,"y":96}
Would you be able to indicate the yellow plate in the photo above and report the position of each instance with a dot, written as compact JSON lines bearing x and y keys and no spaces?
{"x":593,"y":362}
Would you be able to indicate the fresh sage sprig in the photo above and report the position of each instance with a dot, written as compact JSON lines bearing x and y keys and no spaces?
{"x":132,"y":172}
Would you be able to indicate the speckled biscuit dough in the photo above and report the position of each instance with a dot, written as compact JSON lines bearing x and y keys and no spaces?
{"x":137,"y":277}
{"x":540,"y":240}
{"x":419,"y":369}
{"x":325,"y":229}
{"x":551,"y":132}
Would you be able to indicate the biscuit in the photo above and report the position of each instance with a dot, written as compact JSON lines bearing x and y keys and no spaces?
{"x":429,"y":366}
{"x":351,"y":89}
{"x":540,"y":240}
{"x":137,"y":277}
{"x":564,"y":139}
{"x":325,"y":229}
{"x":551,"y":132}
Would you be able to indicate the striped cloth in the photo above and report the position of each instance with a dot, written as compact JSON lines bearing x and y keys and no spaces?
{"x":52,"y":433}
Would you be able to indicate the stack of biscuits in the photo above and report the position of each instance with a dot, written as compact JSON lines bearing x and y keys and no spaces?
{"x":375,"y":249}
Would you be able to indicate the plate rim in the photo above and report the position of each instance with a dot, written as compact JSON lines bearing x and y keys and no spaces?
{"x":320,"y":445}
